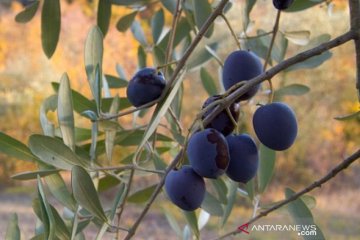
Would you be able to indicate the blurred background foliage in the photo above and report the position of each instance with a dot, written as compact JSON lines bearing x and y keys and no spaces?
{"x":26,"y":74}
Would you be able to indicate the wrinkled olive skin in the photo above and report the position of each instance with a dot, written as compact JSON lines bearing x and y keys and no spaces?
{"x":208,"y":153}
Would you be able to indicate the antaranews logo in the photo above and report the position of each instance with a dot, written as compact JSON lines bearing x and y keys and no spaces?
{"x":301,"y":229}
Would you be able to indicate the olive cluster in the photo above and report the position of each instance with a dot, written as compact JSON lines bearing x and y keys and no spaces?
{"x":215,"y":150}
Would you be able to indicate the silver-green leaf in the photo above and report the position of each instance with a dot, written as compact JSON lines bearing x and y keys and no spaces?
{"x":85,"y":193}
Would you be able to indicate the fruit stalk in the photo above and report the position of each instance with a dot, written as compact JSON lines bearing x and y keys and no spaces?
{"x":331,"y":174}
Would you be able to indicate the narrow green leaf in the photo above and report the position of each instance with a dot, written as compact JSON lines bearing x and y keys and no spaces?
{"x":53,"y":152}
{"x":119,"y":198}
{"x":28,"y":13}
{"x":85,"y":193}
{"x":104,"y":15}
{"x":159,"y":55}
{"x":97,"y":88}
{"x":138,"y":33}
{"x":298,"y":37}
{"x":93,"y":61}
{"x":61,"y":231}
{"x":221,"y":189}
{"x":291,"y":90}
{"x":203,"y":219}
{"x":58,"y":189}
{"x":142,"y":195}
{"x":250,"y":188}
{"x":310,"y":202}
{"x":202,"y":10}
{"x":141,"y":57}
{"x":110,"y":133}
{"x":201,"y":56}
{"x":50,"y":26}
{"x":49,"y":104}
{"x":65,"y":112}
{"x":115,"y":82}
{"x":14,"y":148}
{"x":249,"y":4}
{"x":212,"y":205}
{"x":170,"y":5}
{"x":355,"y":115}
{"x":192,"y":222}
{"x":125,"y":22}
{"x":28,"y":175}
{"x":80,"y":103}
{"x":182,"y":31}
{"x":231,"y":197}
{"x":303,"y":216}
{"x":13,"y":230}
{"x":208,"y":82}
{"x":160,"y":110}
{"x":82,"y":134}
{"x":266,"y":167}
{"x":312,"y":62}
{"x":172,"y":221}
{"x":300,"y":5}
{"x":46,"y":210}
{"x":157,"y":25}
{"x":134,"y":3}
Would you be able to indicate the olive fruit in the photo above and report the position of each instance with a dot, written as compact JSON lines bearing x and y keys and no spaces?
{"x":241,"y":66}
{"x":282,"y":4}
{"x":145,"y":86}
{"x":185,"y":188}
{"x":208,"y":153}
{"x":244,"y":158}
{"x":222,"y":122}
{"x":275,"y":125}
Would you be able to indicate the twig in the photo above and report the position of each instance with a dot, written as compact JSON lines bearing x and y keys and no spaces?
{"x":218,"y":10}
{"x":170,"y":45}
{"x":230,"y":98}
{"x":354,"y":6}
{"x":156,"y":192}
{"x":231,"y":30}
{"x":274,"y":31}
{"x":122,"y":205}
{"x":338,"y":168}
{"x":127,"y":167}
{"x":239,"y":89}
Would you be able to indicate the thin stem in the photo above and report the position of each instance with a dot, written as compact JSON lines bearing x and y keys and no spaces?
{"x":166,"y":64}
{"x":170,"y":45}
{"x":331,"y":174}
{"x":122,"y":205}
{"x":217,"y":11}
{"x":231,"y":30}
{"x":272,"y":92}
{"x":176,"y":120}
{"x":156,"y":192}
{"x":127,"y":167}
{"x":239,"y":89}
{"x":274,"y":31}
{"x":231,"y":117}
